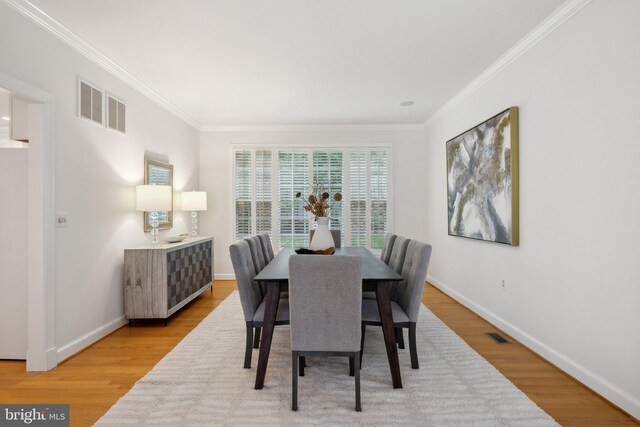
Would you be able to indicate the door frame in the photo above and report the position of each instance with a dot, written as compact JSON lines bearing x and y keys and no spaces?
{"x":41,"y":349}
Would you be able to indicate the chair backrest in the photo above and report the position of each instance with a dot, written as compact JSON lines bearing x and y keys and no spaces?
{"x":256,"y":253}
{"x":334,"y":233}
{"x":414,"y":273}
{"x":245,"y":272}
{"x":325,"y":297}
{"x":267,"y":249}
{"x":385,"y":255}
{"x":398,"y":253}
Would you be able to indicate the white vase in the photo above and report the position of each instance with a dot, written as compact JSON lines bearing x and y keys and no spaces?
{"x":322,"y":238}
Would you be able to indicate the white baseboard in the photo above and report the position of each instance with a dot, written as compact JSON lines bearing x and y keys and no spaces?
{"x":51,"y":358}
{"x":609,"y":391}
{"x":225,"y":277}
{"x":69,"y":349}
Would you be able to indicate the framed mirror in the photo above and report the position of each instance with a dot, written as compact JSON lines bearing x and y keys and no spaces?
{"x":159,"y":173}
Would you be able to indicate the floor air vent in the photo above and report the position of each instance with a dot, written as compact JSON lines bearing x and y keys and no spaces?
{"x":498,"y":338}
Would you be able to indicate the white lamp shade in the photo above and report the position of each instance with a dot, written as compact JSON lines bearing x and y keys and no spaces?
{"x":153,"y":197}
{"x":194,"y":201}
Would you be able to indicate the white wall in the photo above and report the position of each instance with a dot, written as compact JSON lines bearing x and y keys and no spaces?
{"x":96,"y":172}
{"x":573,"y":285}
{"x":216,"y":178}
{"x":14,"y":168}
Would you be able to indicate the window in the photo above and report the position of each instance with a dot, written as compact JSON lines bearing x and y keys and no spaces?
{"x":268,"y":178}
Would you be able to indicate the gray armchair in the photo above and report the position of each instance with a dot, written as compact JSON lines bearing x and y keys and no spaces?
{"x":324,"y":297}
{"x":251,"y":297}
{"x":336,"y":234}
{"x":406,"y":306}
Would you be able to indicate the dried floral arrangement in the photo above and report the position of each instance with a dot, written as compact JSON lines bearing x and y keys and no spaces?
{"x":318,"y":200}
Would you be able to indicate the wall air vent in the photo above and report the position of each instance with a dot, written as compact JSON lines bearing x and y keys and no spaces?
{"x":116,"y":114}
{"x":90,"y":102}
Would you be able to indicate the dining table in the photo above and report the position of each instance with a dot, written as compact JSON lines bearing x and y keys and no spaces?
{"x":376,"y":276}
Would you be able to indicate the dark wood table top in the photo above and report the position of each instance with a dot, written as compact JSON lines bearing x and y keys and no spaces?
{"x":373,"y":269}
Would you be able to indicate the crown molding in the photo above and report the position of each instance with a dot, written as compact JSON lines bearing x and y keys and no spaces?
{"x":317,"y":128}
{"x":555,"y":20}
{"x":49,"y":24}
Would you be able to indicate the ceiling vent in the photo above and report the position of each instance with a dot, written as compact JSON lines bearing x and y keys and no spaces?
{"x":90,"y":102}
{"x":116,"y":114}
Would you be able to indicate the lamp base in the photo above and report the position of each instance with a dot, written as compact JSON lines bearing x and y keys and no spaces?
{"x":194,"y":224}
{"x":154,"y":227}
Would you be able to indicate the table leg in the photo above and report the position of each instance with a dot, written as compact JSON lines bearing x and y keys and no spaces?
{"x":271,"y":300}
{"x":386,"y":317}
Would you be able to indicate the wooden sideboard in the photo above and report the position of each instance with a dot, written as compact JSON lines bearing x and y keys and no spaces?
{"x":159,"y":280}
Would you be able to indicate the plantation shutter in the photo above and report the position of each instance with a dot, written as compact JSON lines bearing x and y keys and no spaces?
{"x":328,"y":172}
{"x":293,"y":177}
{"x":263,"y":193}
{"x":243,"y":193}
{"x":358,"y":182}
{"x":379,"y":195}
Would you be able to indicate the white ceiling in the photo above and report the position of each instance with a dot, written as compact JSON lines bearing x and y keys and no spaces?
{"x":278,"y":62}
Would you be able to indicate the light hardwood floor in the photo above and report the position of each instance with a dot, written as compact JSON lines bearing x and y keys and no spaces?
{"x":93,"y":380}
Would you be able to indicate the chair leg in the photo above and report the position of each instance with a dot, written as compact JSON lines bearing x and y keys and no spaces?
{"x":256,"y":338}
{"x":363,"y":330}
{"x":356,"y":359}
{"x":351,"y":366}
{"x":303,"y":364}
{"x":248,"y":351}
{"x":412,"y":346}
{"x":294,"y":380}
{"x":400,"y":337}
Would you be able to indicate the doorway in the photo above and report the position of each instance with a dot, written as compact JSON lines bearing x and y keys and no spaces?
{"x":14,"y":226}
{"x":31,"y":319}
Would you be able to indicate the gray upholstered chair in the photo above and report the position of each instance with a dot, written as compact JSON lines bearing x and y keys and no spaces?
{"x":258,"y":261}
{"x":250,"y":296}
{"x":267,"y":249}
{"x":257,"y":255}
{"x":406,"y":306}
{"x":337,"y":240}
{"x":398,"y":252}
{"x":385,"y":255}
{"x":324,"y":298}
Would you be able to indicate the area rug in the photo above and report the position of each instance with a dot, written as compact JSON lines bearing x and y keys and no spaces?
{"x":202,"y":382}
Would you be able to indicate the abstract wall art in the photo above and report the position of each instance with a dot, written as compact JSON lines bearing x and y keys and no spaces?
{"x":482,"y":180}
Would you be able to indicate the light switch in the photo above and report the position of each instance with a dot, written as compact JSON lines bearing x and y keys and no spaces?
{"x":62,"y":219}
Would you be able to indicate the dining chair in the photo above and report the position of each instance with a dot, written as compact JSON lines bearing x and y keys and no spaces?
{"x":336,"y":234}
{"x":253,"y":305}
{"x":406,"y":307}
{"x":385,"y":255}
{"x":257,"y":255}
{"x":267,"y":248}
{"x":324,"y":299}
{"x":398,"y":253}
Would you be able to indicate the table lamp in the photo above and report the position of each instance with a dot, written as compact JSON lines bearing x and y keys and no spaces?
{"x":194,"y":201}
{"x":153,"y":199}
